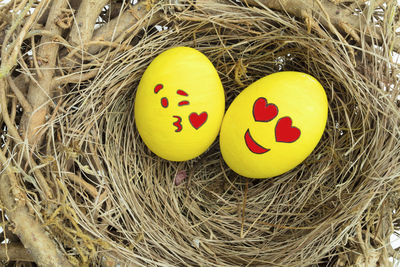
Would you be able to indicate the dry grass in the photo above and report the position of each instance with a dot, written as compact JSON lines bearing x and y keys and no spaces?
{"x":116,"y":202}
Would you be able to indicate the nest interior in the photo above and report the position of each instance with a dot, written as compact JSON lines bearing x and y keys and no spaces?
{"x":117,"y":203}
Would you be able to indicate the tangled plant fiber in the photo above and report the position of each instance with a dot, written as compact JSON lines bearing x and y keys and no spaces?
{"x":75,"y":167}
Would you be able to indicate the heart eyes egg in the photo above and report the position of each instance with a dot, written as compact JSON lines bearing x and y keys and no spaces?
{"x":179,"y":104}
{"x":273,"y":124}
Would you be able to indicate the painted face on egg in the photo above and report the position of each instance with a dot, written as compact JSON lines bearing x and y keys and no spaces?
{"x":284,"y":131}
{"x":195,"y":119}
{"x":273,"y":125}
{"x":179,"y":104}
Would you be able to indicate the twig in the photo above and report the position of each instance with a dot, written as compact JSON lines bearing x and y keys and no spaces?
{"x":5,"y":68}
{"x":12,"y":118}
{"x":334,"y":29}
{"x":9,"y":62}
{"x":35,"y":62}
{"x":73,"y":4}
{"x":336,"y":15}
{"x":121,"y":25}
{"x":107,"y":43}
{"x":14,"y":252}
{"x":20,"y":96}
{"x":22,"y":82}
{"x":88,"y":12}
{"x":74,"y":78}
{"x":54,"y":37}
{"x":12,"y":130}
{"x":32,"y":235}
{"x":88,"y":187}
{"x":39,"y":93}
{"x":97,"y":44}
{"x":350,"y":31}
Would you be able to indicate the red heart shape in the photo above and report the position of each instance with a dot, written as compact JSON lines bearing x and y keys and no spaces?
{"x":262,"y":111}
{"x":197,"y":120}
{"x":285,"y":132}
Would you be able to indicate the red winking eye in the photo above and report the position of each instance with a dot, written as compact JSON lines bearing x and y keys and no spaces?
{"x":181,"y":92}
{"x":183,"y":103}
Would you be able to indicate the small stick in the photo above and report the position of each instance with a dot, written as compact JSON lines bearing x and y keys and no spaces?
{"x":88,"y":187}
{"x":14,"y":26}
{"x":14,"y":252}
{"x":13,"y":114}
{"x":333,"y":14}
{"x":20,"y":96}
{"x":74,"y":78}
{"x":14,"y":133}
{"x":6,"y":116}
{"x":123,"y":24}
{"x":9,"y":62}
{"x":40,"y":91}
{"x":83,"y":27}
{"x":350,"y":31}
{"x":56,"y":37}
{"x":32,"y":235}
{"x":39,"y":72}
{"x":335,"y":31}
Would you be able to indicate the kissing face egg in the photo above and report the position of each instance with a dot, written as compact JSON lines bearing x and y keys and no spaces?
{"x":273,"y":124}
{"x":179,"y":104}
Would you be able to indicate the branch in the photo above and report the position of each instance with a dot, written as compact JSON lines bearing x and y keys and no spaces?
{"x":83,"y":27}
{"x":328,"y":13}
{"x":14,"y":252}
{"x":18,"y":93}
{"x":8,"y":62}
{"x":73,"y":4}
{"x":120,"y":25}
{"x":30,"y":232}
{"x":88,"y":187}
{"x":12,"y":130}
{"x":39,"y":91}
{"x":74,"y":78}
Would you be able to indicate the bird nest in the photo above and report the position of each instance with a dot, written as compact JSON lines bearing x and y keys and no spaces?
{"x":79,"y":187}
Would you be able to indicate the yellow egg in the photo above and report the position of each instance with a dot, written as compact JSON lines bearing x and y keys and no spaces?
{"x":273,"y":124}
{"x":179,"y":104}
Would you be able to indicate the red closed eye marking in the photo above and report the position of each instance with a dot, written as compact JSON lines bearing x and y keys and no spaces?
{"x":181,"y":92}
{"x":164,"y":102}
{"x":182,"y":103}
{"x":158,"y":88}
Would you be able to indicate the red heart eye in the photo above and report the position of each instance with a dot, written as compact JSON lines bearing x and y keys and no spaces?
{"x":264,"y":112}
{"x":285,"y":132}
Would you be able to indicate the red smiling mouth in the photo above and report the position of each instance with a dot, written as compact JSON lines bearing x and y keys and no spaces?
{"x":252,"y":145}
